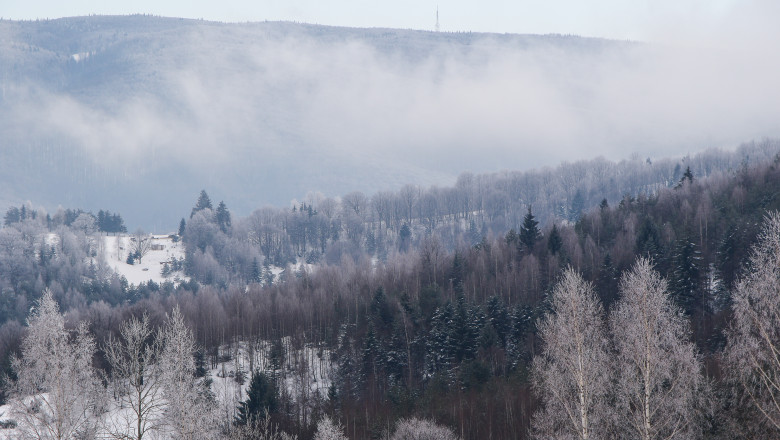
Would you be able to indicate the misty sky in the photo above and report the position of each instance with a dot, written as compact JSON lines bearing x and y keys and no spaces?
{"x":377,"y":118}
{"x":648,"y":20}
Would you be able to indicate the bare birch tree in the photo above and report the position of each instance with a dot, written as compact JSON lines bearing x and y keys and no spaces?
{"x":57,"y":394}
{"x":752,"y":353}
{"x":190,"y":409}
{"x":572,"y":375}
{"x":660,"y":390}
{"x":137,"y":381}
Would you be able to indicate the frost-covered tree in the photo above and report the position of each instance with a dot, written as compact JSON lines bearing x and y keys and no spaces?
{"x":190,"y":407}
{"x":137,"y":380}
{"x":57,"y":392}
{"x":86,"y":223}
{"x":659,"y":391}
{"x":328,"y":429}
{"x":421,"y":429}
{"x":259,"y":429}
{"x":572,"y":374}
{"x":752,"y":353}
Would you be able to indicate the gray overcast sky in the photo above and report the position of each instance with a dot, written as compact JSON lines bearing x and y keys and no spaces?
{"x":649,"y":20}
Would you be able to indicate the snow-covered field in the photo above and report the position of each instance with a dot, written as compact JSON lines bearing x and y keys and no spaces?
{"x":115,"y":249}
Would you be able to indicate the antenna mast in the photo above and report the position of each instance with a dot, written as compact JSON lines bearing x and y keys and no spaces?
{"x":437,"y":18}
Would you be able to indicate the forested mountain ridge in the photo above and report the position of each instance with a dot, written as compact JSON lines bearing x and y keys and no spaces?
{"x":125,"y":99}
{"x":431,"y":330}
{"x":101,"y":110}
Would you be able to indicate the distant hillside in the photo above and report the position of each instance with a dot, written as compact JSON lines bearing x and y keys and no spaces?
{"x":138,"y":113}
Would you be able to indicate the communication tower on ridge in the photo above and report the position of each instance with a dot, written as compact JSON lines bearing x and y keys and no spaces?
{"x":437,"y":18}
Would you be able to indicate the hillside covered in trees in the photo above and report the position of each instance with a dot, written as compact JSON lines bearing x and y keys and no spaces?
{"x":440,"y":304}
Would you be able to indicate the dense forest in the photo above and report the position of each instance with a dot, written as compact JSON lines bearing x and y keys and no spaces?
{"x":451,"y":310}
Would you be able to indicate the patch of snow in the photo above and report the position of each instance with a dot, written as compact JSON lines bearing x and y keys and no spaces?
{"x":115,"y":249}
{"x":81,"y":56}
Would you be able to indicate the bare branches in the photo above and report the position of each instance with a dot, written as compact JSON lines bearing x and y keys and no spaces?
{"x":140,"y":244}
{"x":137,"y":380}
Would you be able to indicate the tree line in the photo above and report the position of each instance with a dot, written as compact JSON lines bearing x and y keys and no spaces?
{"x":324,"y":229}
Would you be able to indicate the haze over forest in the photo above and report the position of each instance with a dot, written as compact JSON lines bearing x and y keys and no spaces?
{"x":293,"y":231}
{"x":138,"y":113}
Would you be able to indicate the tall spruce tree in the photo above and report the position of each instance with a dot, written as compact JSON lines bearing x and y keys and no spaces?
{"x":262,"y":397}
{"x":686,"y":276}
{"x":223,"y":217}
{"x":554,"y":241}
{"x":204,"y":202}
{"x":529,"y":231}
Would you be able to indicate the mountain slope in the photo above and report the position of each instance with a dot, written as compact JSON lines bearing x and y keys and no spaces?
{"x":138,"y":113}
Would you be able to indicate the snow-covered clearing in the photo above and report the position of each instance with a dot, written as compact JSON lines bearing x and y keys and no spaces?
{"x":115,"y":249}
{"x":306,"y":372}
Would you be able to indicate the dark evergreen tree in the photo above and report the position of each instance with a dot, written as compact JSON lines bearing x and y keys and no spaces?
{"x":101,"y":221}
{"x":256,"y":275}
{"x":345,"y":381}
{"x":12,"y":216}
{"x":522,"y":324}
{"x":463,"y":332}
{"x":438,"y":353}
{"x":380,"y":310}
{"x":498,"y":318}
{"x":607,"y":283}
{"x":554,"y":241}
{"x":404,"y":238}
{"x":372,"y":357}
{"x":577,"y":205}
{"x":648,"y":241}
{"x":182,"y":227}
{"x":687,"y":175}
{"x":396,"y":357}
{"x":204,"y":202}
{"x":457,"y":272}
{"x":727,"y":252}
{"x":529,"y":231}
{"x":223,"y":217}
{"x":685,"y":279}
{"x":262,"y":396}
{"x":276,"y":358}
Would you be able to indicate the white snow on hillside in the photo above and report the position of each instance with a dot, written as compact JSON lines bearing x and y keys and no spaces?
{"x":115,"y":249}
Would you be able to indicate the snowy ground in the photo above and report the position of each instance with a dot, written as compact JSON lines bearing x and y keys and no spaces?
{"x":306,"y":371}
{"x":116,"y":248}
